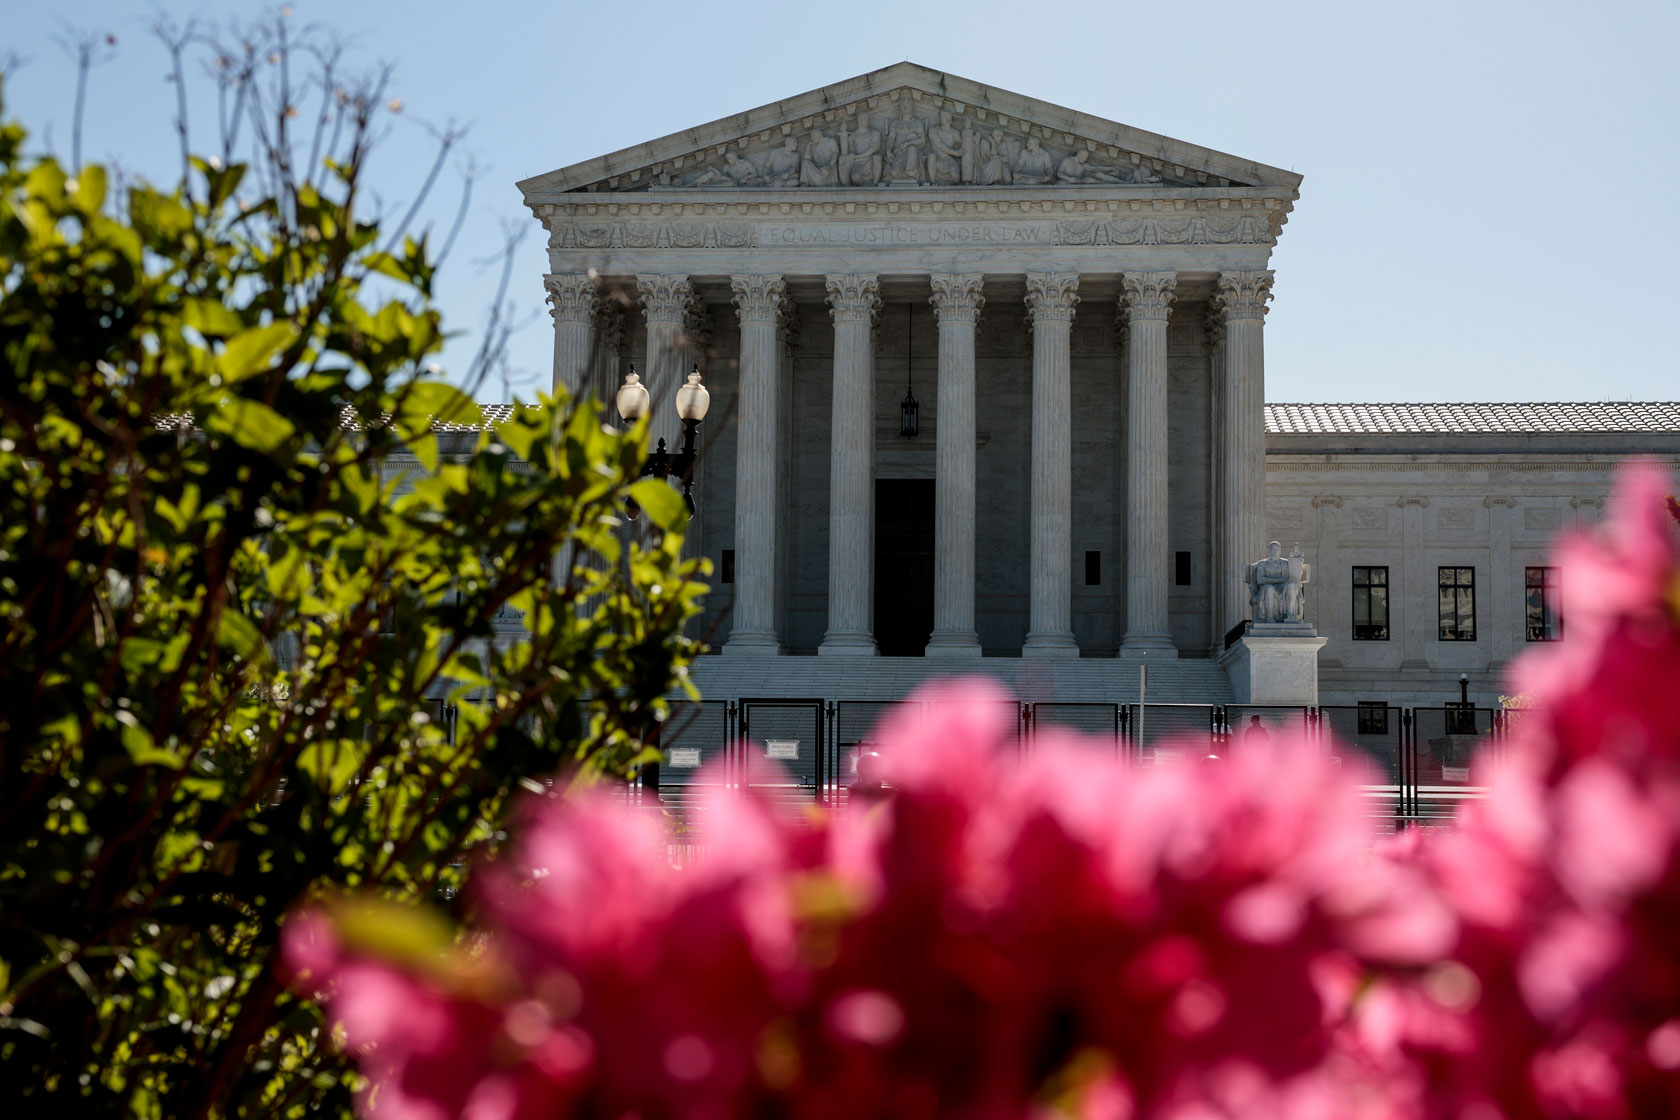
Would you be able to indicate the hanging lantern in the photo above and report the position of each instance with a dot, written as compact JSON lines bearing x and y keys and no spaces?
{"x":910,"y":423}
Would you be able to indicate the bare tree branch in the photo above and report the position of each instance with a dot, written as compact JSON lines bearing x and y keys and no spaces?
{"x":88,"y":49}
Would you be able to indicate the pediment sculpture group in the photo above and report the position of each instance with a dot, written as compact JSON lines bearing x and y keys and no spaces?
{"x":913,"y":152}
{"x":1277,"y":586}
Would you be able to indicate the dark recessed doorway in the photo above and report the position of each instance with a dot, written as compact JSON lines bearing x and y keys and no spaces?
{"x":903,"y":565}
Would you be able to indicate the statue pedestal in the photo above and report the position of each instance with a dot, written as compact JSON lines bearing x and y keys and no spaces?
{"x":1275,"y":663}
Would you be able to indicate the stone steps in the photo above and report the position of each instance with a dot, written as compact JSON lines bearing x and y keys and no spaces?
{"x":1086,"y":680}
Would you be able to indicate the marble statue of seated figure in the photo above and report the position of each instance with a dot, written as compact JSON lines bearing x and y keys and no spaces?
{"x":818,"y":168}
{"x":1275,"y":586}
{"x":1034,"y":164}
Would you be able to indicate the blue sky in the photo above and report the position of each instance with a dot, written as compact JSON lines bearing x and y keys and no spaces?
{"x":1489,"y":211}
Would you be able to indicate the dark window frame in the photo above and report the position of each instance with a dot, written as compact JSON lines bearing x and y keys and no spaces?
{"x":1461,"y":593}
{"x":1544,"y":595}
{"x":1370,"y":630}
{"x":1373,"y":717}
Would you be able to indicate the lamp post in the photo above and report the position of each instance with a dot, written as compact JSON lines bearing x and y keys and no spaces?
{"x":692,"y":402}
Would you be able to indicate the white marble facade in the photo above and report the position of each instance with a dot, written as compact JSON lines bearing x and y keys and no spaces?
{"x":1079,"y":308}
{"x":1077,"y":304}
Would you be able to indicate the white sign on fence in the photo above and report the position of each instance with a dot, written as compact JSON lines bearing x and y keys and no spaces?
{"x":785,"y":749}
{"x":685,"y":757}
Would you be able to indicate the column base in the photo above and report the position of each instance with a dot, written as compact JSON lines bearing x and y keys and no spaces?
{"x":752,"y":643}
{"x":1050,"y":643}
{"x":1148,"y":647}
{"x":953,"y":643}
{"x":847,"y":643}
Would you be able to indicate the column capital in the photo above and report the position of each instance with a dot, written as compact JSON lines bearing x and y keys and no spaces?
{"x":759,"y":298}
{"x":665,"y":297}
{"x":957,"y":297}
{"x":854,"y":298}
{"x":1052,"y":296}
{"x":1243,"y":295}
{"x":572,"y":296}
{"x":1149,"y":295}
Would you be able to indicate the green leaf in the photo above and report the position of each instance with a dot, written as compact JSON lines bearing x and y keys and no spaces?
{"x":251,"y":352}
{"x":661,"y":501}
{"x":210,"y":318}
{"x":238,"y":633}
{"x":422,"y":403}
{"x":332,"y":764}
{"x":250,"y":424}
{"x":141,"y":748}
{"x":90,"y":188}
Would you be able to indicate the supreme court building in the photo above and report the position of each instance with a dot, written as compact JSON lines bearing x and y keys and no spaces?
{"x":1077,"y":310}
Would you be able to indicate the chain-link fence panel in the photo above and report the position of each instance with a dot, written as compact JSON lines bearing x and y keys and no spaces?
{"x":1375,"y":733}
{"x":1258,"y":723}
{"x":1451,"y":745}
{"x":1162,"y":732}
{"x":783,"y":750}
{"x":1097,"y":724}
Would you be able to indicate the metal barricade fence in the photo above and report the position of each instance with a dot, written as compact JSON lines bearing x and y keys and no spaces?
{"x":1157,"y":730}
{"x":782,"y":749}
{"x":1098,"y":723}
{"x":1449,"y":744}
{"x":697,"y":753}
{"x":804,"y":751}
{"x":1380,"y":735}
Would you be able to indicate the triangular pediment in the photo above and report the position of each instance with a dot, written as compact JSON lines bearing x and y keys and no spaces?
{"x":907,"y":126}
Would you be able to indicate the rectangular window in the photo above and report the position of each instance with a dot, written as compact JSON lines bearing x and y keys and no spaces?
{"x":1182,"y":573}
{"x":1370,"y":604}
{"x":1093,"y":569}
{"x":1540,"y":604}
{"x":726,"y":569}
{"x":1373,"y":717}
{"x":1458,"y":604}
{"x":1461,"y":718}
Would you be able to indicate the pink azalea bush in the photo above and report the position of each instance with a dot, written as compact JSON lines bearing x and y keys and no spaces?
{"x":1058,"y":935}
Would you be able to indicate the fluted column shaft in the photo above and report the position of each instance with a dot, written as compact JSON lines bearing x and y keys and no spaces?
{"x":1241,"y":298}
{"x":758,"y":300}
{"x":1051,"y":298}
{"x":853,"y":302}
{"x":572,"y":301}
{"x":1148,"y":297}
{"x":665,"y":303}
{"x":1219,"y":582}
{"x":957,"y":301}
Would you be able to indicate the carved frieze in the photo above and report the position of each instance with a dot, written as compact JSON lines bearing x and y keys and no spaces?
{"x":1249,"y":229}
{"x":914,"y":144}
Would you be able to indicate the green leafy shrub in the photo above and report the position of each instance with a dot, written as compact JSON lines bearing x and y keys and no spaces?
{"x":251,"y":555}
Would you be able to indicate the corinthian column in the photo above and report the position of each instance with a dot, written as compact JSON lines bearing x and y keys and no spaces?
{"x":572,"y":299}
{"x":956,"y":302}
{"x":758,"y":299}
{"x":1241,"y":299}
{"x":665,"y":302}
{"x":1148,"y":299}
{"x":853,"y":302}
{"x":1051,"y":297}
